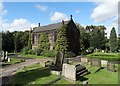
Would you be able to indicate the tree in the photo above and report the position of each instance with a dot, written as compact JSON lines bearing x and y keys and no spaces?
{"x":44,"y":41}
{"x":62,"y":41}
{"x":113,"y":40}
{"x":118,"y":43}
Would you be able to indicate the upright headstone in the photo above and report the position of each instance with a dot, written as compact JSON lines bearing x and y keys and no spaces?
{"x":96,"y":62}
{"x":111,"y":66}
{"x":8,"y":59}
{"x":6,"y":56}
{"x":3,"y":56}
{"x":59,"y":61}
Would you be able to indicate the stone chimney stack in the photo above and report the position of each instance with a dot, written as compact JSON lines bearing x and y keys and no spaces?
{"x":63,"y":22}
{"x":38,"y":24}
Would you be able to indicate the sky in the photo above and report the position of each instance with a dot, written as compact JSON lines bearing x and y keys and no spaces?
{"x":22,"y":16}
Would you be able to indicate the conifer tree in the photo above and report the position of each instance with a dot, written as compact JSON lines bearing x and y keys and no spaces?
{"x":113,"y":40}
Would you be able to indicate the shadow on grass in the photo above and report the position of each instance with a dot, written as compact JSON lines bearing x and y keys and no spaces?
{"x":24,"y":78}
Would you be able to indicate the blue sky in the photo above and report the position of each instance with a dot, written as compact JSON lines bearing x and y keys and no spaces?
{"x":23,"y":15}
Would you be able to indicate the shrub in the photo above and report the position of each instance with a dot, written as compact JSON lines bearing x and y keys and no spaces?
{"x":25,"y":50}
{"x":38,"y":52}
{"x":69,"y":55}
{"x":31,"y":52}
{"x":90,"y":50}
{"x":48,"y":53}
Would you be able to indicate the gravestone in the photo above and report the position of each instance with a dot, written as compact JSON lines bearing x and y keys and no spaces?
{"x":69,"y":72}
{"x":3,"y":56}
{"x":96,"y":62}
{"x":111,"y":66}
{"x":84,"y":59}
{"x":59,"y":61}
{"x":6,"y":56}
{"x":8,"y":59}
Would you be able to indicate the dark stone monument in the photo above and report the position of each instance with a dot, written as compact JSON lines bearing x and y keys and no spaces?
{"x":96,"y":62}
{"x":59,"y":61}
{"x":111,"y":66}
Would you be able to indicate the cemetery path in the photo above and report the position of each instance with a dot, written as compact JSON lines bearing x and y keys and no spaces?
{"x":11,"y":69}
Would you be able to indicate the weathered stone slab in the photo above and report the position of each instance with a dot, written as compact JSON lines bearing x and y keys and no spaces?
{"x":111,"y":66}
{"x":96,"y":62}
{"x":104,"y":62}
{"x":69,"y":71}
{"x":84,"y":59}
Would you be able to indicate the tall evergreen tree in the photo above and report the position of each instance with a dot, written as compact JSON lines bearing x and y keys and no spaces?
{"x":62,"y":41}
{"x":113,"y":40}
{"x":44,"y":41}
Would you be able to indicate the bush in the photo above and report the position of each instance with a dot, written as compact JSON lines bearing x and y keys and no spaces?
{"x":90,"y":50}
{"x":25,"y":50}
{"x":69,"y":55}
{"x":31,"y":52}
{"x":38,"y":52}
{"x":48,"y":53}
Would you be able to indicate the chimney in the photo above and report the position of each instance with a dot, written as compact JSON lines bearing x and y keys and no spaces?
{"x":38,"y":24}
{"x":71,"y":17}
{"x":63,"y":22}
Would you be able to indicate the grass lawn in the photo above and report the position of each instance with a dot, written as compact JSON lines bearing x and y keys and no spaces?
{"x":12,"y":61}
{"x":104,"y":56}
{"x":102,"y":77}
{"x":35,"y":74}
{"x":32,"y":56}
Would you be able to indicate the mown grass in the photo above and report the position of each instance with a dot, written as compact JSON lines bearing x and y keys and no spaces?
{"x":12,"y":61}
{"x":36,"y":74}
{"x":104,"y":56}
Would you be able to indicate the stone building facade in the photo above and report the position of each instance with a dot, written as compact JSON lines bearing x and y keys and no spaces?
{"x":51,"y":31}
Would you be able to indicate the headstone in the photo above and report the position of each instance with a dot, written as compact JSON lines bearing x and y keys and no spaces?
{"x":69,"y":72}
{"x":96,"y":62}
{"x":8,"y":59}
{"x":6,"y":56}
{"x":59,"y":61}
{"x":84,"y":59}
{"x":111,"y":66}
{"x":3,"y":56}
{"x":104,"y":62}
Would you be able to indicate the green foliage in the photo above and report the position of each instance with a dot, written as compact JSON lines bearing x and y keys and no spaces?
{"x":38,"y":52}
{"x":69,"y":55}
{"x":118,"y":43}
{"x":62,"y":41}
{"x":25,"y":50}
{"x":49,"y":53}
{"x":44,"y":41}
{"x":113,"y":40}
{"x":31,"y":51}
{"x":90,"y":50}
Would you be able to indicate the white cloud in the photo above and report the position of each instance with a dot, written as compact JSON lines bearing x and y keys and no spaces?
{"x":41,"y":7}
{"x":104,"y":11}
{"x":114,"y":24}
{"x":17,"y":25}
{"x":3,"y":11}
{"x":58,"y":16}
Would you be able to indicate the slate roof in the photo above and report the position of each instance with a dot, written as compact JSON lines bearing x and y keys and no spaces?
{"x":50,"y":26}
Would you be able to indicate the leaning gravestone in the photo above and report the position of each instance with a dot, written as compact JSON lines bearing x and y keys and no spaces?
{"x":96,"y":62}
{"x":59,"y":61}
{"x":111,"y":66}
